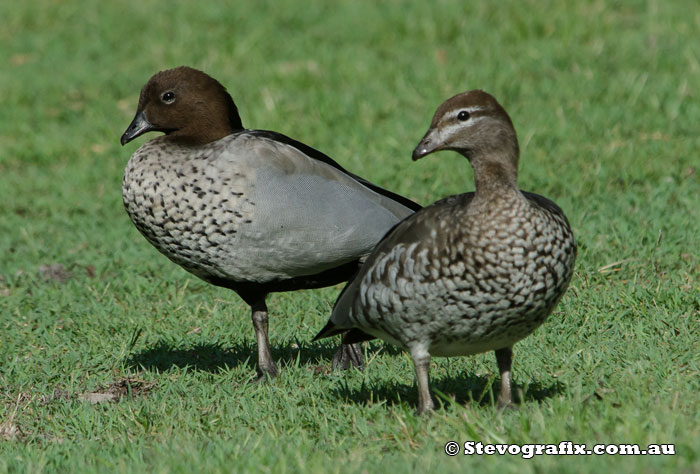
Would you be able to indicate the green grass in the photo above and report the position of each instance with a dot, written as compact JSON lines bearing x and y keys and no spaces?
{"x":604,"y":96}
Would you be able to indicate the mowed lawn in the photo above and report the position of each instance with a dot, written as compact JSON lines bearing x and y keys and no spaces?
{"x":604,"y":96}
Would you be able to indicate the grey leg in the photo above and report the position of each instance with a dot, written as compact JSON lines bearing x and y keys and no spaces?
{"x":348,"y":355}
{"x":504,"y":358}
{"x":266,"y":366}
{"x":421,"y":362}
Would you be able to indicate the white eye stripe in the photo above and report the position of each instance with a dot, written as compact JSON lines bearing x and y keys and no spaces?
{"x":453,"y":127}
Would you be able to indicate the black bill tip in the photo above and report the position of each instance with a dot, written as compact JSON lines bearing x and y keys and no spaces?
{"x":136,"y":128}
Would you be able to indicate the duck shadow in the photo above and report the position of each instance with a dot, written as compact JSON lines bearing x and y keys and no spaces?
{"x":215,"y":357}
{"x":462,"y":389}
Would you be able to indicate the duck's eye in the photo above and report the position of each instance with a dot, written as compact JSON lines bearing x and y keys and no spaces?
{"x":168,"y":97}
{"x":463,"y":116}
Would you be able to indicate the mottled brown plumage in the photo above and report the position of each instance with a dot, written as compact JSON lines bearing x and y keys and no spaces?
{"x":471,"y":273}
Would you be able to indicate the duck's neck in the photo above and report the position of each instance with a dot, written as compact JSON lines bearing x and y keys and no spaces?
{"x":201,"y":135}
{"x":495,"y":173}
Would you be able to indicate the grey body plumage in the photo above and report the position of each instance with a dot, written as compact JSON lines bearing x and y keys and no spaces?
{"x":470,"y":273}
{"x":250,"y":210}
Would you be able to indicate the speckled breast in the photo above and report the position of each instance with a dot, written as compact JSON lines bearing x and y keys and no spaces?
{"x":476,"y":287}
{"x":185,"y":206}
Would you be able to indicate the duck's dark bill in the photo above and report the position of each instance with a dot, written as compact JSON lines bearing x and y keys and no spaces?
{"x":136,"y":128}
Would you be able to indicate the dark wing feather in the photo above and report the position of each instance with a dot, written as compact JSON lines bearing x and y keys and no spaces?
{"x":545,"y":204}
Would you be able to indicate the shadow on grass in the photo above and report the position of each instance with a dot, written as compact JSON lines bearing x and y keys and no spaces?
{"x":461,"y":389}
{"x":164,"y":356}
